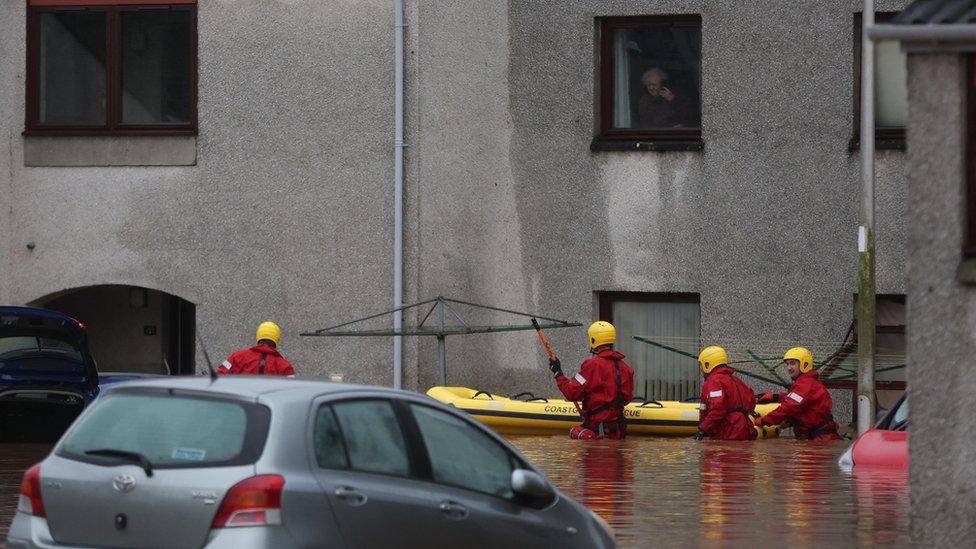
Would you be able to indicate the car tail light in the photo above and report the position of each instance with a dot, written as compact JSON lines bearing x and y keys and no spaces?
{"x":254,"y":501}
{"x":30,"y":493}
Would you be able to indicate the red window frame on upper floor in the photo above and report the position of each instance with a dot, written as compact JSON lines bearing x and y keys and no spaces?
{"x":113,"y":124}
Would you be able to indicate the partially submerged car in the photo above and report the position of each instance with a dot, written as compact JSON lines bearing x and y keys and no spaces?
{"x":47,"y":374}
{"x":268,"y":462}
{"x":885,"y":445}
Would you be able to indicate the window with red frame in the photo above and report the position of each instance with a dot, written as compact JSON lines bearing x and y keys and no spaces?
{"x":98,"y":66}
{"x":650,"y":78}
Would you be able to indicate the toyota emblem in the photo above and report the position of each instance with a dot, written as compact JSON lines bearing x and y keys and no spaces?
{"x":124,"y":483}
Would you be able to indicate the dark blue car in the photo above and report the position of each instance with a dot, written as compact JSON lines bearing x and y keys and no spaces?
{"x":47,"y":374}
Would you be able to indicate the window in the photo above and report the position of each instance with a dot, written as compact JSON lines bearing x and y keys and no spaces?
{"x":172,"y":431}
{"x":890,"y":89}
{"x":370,"y":435}
{"x":969,"y":239}
{"x":462,"y":456}
{"x":650,"y":79}
{"x":111,"y":67}
{"x":673,"y":320}
{"x":330,"y":450}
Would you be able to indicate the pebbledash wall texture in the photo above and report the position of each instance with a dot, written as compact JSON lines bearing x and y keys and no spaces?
{"x":942,"y":305}
{"x":285,"y":210}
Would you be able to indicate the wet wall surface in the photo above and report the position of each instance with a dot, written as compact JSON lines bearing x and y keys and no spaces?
{"x":659,"y":492}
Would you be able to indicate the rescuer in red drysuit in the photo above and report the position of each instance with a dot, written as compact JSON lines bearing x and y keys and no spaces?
{"x":262,"y":359}
{"x":605,"y":384}
{"x":806,"y":407}
{"x":727,"y":404}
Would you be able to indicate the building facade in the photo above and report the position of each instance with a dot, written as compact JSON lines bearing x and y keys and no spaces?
{"x":538,"y":178}
{"x":940,"y":38}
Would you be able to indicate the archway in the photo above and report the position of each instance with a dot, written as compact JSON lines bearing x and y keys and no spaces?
{"x":132,"y":329}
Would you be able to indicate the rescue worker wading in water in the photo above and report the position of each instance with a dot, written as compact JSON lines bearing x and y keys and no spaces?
{"x":806,"y":407}
{"x":605,"y":384}
{"x":262,"y":359}
{"x":727,"y":403}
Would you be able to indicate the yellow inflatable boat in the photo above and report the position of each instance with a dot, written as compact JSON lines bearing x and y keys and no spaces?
{"x":526,"y":414}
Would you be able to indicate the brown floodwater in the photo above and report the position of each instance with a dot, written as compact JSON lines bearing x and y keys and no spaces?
{"x":677,"y":492}
{"x":664,"y":492}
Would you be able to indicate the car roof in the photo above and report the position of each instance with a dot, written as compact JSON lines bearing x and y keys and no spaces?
{"x":253,"y":386}
{"x":62,"y":321}
{"x":33,"y":311}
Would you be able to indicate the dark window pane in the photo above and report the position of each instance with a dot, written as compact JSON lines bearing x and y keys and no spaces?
{"x":330,"y":451}
{"x":156,"y":67}
{"x":71,"y":72}
{"x":462,"y":456}
{"x":373,"y":438}
{"x":656,"y":77}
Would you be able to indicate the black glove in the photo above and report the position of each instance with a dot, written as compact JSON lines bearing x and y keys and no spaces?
{"x":556,"y":367}
{"x":700,"y":435}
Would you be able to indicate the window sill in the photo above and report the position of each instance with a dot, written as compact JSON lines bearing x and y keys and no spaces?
{"x":649,"y":145}
{"x":897,"y":144}
{"x":966,"y":271}
{"x":110,"y":150}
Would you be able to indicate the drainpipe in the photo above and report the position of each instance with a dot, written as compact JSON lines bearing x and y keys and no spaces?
{"x":865,"y":234}
{"x":931,"y":34}
{"x":398,"y":196}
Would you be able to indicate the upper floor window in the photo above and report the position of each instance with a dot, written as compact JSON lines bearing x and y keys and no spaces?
{"x":969,"y":236}
{"x":650,"y":79}
{"x":890,"y":89}
{"x":104,"y":66}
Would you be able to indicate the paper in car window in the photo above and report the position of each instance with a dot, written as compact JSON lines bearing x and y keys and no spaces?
{"x":191,"y":454}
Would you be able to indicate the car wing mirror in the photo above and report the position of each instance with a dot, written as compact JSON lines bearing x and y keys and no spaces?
{"x":532,"y":487}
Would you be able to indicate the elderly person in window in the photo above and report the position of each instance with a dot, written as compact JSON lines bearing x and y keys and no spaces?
{"x":659,"y":107}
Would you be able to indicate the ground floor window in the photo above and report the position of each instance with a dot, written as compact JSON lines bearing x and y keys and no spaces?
{"x":673,"y":319}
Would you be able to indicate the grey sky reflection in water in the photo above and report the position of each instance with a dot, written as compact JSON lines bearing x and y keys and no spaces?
{"x":659,"y":492}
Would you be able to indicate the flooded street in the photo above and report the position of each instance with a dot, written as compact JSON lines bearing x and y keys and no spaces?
{"x":14,"y":460}
{"x":659,"y":492}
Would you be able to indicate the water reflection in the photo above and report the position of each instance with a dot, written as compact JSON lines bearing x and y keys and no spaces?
{"x":678,"y":492}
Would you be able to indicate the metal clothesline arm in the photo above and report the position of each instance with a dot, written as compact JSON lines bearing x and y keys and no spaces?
{"x":370,"y":317}
{"x":423,"y":331}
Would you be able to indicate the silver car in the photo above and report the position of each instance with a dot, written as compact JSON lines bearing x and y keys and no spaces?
{"x":269,"y":462}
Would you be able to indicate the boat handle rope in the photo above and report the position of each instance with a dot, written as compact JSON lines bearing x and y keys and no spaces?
{"x":483,"y":393}
{"x":532,"y":397}
{"x":646,"y":402}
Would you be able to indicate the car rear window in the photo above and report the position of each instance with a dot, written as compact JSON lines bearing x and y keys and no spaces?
{"x":171,"y":430}
{"x":21,"y":346}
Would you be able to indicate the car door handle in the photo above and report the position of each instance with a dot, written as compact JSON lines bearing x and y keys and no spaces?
{"x":350,"y":495}
{"x":454,"y":510}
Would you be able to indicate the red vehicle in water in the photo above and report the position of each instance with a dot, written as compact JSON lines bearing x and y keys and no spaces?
{"x":885,"y":445}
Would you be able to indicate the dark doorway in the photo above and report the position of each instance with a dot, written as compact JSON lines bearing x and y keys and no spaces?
{"x":133,"y":329}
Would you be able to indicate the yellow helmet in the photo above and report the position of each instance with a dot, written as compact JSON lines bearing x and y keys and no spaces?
{"x":803,"y":355}
{"x":270,"y":331}
{"x":711,"y":358}
{"x":601,"y":333}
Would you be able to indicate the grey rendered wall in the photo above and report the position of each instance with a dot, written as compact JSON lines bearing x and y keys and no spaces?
{"x":515,"y":210}
{"x":941,"y":311}
{"x":287,"y":213}
{"x":11,"y":38}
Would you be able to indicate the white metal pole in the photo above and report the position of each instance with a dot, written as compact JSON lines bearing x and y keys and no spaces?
{"x":398,"y":196}
{"x":865,"y":240}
